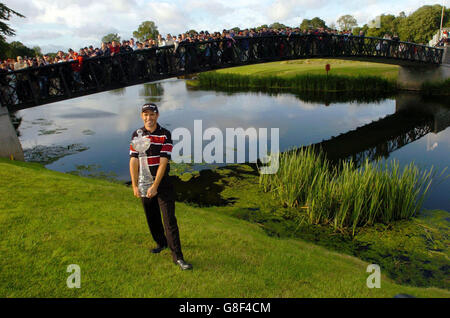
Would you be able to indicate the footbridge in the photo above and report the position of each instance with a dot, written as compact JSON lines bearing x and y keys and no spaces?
{"x":35,"y":86}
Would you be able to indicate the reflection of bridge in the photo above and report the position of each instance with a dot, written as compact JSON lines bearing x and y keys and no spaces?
{"x":411,"y":121}
{"x":36,"y":86}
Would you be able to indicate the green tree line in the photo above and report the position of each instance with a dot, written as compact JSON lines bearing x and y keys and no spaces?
{"x":418,"y":27}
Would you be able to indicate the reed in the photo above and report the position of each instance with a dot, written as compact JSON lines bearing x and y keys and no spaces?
{"x":299,"y":83}
{"x":436,"y":88}
{"x":344,"y":196}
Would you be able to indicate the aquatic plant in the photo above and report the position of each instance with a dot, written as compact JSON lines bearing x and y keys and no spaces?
{"x":299,"y":83}
{"x":344,"y":196}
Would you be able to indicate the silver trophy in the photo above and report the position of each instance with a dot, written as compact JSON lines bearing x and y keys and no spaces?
{"x":141,"y":145}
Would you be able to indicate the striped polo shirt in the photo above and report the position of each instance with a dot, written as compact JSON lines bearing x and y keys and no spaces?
{"x":161,"y":146}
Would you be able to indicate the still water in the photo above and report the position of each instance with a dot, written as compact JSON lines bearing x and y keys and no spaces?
{"x":104,"y":123}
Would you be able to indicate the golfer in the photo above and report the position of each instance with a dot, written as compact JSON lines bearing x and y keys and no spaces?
{"x":161,"y":193}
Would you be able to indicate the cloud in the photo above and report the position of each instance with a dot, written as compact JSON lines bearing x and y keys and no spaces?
{"x":94,"y":31}
{"x":41,"y":35}
{"x":25,"y":7}
{"x":168,"y":16}
{"x":84,"y":22}
{"x":282,"y":10}
{"x":52,"y":48}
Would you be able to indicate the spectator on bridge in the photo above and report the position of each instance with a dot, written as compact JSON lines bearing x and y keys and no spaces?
{"x":4,"y":67}
{"x":161,"y":41}
{"x":133,"y":44}
{"x":105,"y":51}
{"x":125,"y":48}
{"x":76,"y":67}
{"x":115,"y":48}
{"x":444,"y":40}
{"x":20,"y":64}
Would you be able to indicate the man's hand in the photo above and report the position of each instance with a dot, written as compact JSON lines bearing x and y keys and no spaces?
{"x":152,"y":191}
{"x":137,"y":194}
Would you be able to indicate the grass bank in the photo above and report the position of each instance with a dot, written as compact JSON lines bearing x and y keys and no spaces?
{"x":298,"y":83}
{"x":436,"y":88}
{"x":49,"y":220}
{"x":293,"y":68}
{"x":414,"y":251}
{"x":305,"y":76}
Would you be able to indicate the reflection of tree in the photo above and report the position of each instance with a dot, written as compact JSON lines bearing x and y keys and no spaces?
{"x":153,"y":92}
{"x":118,"y":91}
{"x":306,"y":96}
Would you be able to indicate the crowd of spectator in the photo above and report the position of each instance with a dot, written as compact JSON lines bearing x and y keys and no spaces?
{"x":444,"y":40}
{"x":115,"y":47}
{"x":185,"y":53}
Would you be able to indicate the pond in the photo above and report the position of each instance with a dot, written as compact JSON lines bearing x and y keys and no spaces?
{"x":100,"y":126}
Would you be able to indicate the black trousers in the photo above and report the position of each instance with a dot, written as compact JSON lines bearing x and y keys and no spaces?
{"x":164,"y":201}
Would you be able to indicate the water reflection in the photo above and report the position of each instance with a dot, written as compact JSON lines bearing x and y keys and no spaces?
{"x":325,"y":98}
{"x":382,"y":128}
{"x":152,"y":92}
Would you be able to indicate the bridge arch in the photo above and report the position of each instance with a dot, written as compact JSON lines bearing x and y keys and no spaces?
{"x":51,"y":83}
{"x":46,"y":84}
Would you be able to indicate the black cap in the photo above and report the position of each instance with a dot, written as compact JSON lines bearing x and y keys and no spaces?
{"x":150,"y":106}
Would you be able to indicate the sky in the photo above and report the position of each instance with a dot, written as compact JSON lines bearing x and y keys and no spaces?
{"x":61,"y":24}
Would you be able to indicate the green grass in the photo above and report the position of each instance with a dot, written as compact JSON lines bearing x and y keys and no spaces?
{"x":297,"y":83}
{"x":436,"y":88}
{"x":49,"y":220}
{"x":304,"y":76}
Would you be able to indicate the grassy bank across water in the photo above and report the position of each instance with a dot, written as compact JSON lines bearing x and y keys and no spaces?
{"x":49,"y":220}
{"x":298,"y":83}
{"x":300,"y":76}
{"x":436,"y":88}
{"x":305,"y":76}
{"x":287,"y":69}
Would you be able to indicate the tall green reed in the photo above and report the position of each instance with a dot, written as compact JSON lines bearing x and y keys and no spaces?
{"x":345,"y":196}
{"x":301,"y":82}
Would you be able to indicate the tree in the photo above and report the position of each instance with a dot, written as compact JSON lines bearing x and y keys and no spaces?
{"x":421,"y":25}
{"x":5,"y":15}
{"x":37,"y":50}
{"x":17,"y":48}
{"x":111,"y":37}
{"x":236,"y":29}
{"x":306,"y":24}
{"x":387,"y":25}
{"x":364,"y":28}
{"x":191,"y":32}
{"x":318,"y":23}
{"x":146,"y":30}
{"x":277,"y":26}
{"x":262,"y":27}
{"x":314,"y":23}
{"x":346,"y":22}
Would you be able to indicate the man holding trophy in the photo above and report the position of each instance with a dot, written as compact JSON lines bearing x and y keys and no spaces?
{"x":150,"y":152}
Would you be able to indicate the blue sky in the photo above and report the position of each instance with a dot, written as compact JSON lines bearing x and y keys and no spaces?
{"x":60,"y":24}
